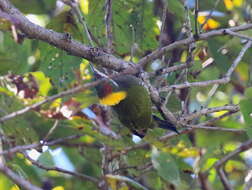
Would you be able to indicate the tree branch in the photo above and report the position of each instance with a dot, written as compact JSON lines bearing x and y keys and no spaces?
{"x":59,"y":40}
{"x":224,"y":179}
{"x":22,"y":148}
{"x":159,"y":52}
{"x":243,"y":147}
{"x":51,"y":98}
{"x":218,"y":165}
{"x":108,"y":22}
{"x":17,"y":179}
{"x":97,"y":55}
{"x":223,"y":80}
{"x":75,"y":174}
{"x":232,"y":108}
{"x":170,"y":135}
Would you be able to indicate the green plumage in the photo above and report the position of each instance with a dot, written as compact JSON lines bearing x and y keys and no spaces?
{"x":134,"y":111}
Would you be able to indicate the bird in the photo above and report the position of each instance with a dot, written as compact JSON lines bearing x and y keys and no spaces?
{"x":131,"y":102}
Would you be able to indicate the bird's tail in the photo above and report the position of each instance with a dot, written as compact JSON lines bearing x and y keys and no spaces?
{"x":165,"y":124}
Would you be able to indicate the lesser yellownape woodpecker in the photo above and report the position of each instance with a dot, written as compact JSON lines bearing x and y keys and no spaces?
{"x":132,"y":103}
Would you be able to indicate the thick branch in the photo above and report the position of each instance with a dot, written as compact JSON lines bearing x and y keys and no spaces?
{"x":59,"y":40}
{"x":97,"y":55}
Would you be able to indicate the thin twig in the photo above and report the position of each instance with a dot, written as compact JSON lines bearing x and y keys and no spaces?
{"x":243,"y":147}
{"x":105,"y":165}
{"x":196,"y":18}
{"x":166,"y":70}
{"x":238,"y":59}
{"x":132,"y":49}
{"x":75,"y":174}
{"x":108,"y":22}
{"x":162,"y":30}
{"x":170,"y":135}
{"x":52,"y":129}
{"x":195,"y":84}
{"x":212,"y":128}
{"x":49,"y":99}
{"x":224,"y":179}
{"x":223,"y":80}
{"x":22,"y":148}
{"x":218,"y":165}
{"x":159,"y":52}
{"x":76,"y":9}
{"x":242,"y":36}
{"x":126,"y":179}
{"x":232,"y":108}
{"x":212,"y":120}
{"x":68,"y":92}
{"x":166,"y":114}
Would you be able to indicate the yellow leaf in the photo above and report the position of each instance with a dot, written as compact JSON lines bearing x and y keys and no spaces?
{"x":56,"y":103}
{"x":112,"y":183}
{"x":212,"y":24}
{"x":124,"y":187}
{"x":201,"y":19}
{"x":88,"y":139}
{"x":189,"y":152}
{"x":238,"y":3}
{"x":43,"y":82}
{"x":15,"y":187}
{"x":58,"y":188}
{"x":229,"y":4}
{"x":84,"y":70}
{"x":232,"y":165}
{"x":218,"y":114}
{"x":84,"y":6}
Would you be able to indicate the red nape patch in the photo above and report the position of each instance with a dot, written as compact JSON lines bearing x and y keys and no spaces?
{"x":106,"y":89}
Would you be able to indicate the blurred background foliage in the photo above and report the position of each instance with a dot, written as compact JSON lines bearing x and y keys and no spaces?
{"x":44,"y":70}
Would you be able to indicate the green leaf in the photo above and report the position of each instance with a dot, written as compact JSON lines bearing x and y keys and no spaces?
{"x":58,"y":65}
{"x":20,"y":129}
{"x":248,"y":92}
{"x":176,"y":8}
{"x":221,"y":60}
{"x":46,"y":159}
{"x":6,"y":183}
{"x":34,"y":6}
{"x":6,"y":91}
{"x":13,"y":56}
{"x":166,"y":166}
{"x":246,"y":109}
